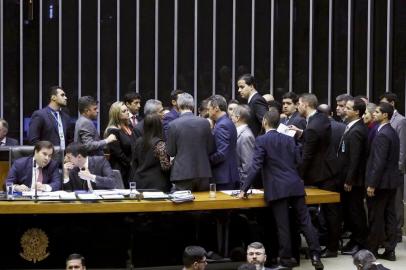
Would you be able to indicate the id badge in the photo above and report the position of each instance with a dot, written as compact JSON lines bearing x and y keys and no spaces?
{"x":343,"y":147}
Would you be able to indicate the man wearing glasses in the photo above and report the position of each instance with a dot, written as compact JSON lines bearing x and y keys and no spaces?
{"x":194,"y":258}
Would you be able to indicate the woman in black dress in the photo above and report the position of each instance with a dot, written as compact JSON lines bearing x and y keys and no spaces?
{"x":120,"y":150}
{"x":151,"y":162}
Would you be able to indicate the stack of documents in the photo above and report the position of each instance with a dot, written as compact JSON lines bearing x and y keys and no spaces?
{"x":154,"y":195}
{"x":182,"y":196}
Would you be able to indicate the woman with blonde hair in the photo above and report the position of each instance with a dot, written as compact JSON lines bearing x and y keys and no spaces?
{"x":120,"y":150}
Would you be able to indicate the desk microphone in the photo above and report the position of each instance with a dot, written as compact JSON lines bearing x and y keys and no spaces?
{"x":35,"y":182}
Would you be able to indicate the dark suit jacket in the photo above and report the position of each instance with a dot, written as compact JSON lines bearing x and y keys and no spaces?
{"x":44,"y":127}
{"x":97,"y":165}
{"x":296,"y":119}
{"x":258,"y":107}
{"x":382,"y":167}
{"x":316,"y":140}
{"x":352,"y":153}
{"x":169,"y":117}
{"x":224,"y":159}
{"x":190,"y":141}
{"x":277,"y":156}
{"x":11,"y":142}
{"x":21,"y":173}
{"x":337,"y":131}
{"x":139,"y":129}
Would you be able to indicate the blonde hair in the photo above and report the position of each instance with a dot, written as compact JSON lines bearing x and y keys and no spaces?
{"x":114,"y":116}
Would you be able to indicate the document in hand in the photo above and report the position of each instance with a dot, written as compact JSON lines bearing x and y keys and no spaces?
{"x":285,"y":130}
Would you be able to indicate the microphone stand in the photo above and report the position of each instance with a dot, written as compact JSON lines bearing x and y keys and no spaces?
{"x":35,"y":184}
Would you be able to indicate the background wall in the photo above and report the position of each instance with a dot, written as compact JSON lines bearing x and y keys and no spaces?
{"x":105,"y":47}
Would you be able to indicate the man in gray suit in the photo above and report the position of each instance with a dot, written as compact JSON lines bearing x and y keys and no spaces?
{"x":190,"y":142}
{"x":245,"y":139}
{"x":81,"y":172}
{"x":398,"y":122}
{"x":85,"y":130}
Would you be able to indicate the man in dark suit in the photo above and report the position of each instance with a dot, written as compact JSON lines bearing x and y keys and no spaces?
{"x":51,"y":123}
{"x":289,"y":109}
{"x":398,"y":122}
{"x":173,"y":113}
{"x":341,"y":101}
{"x":85,"y":130}
{"x":224,"y":159}
{"x":382,"y":179}
{"x":133,"y":102}
{"x":351,"y":152}
{"x":82,"y":172}
{"x":277,"y":156}
{"x":258,"y":105}
{"x":152,"y":106}
{"x":40,"y":167}
{"x":190,"y":142}
{"x":4,"y":140}
{"x":318,"y":166}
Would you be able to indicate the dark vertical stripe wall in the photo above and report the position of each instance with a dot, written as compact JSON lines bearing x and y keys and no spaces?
{"x":104,"y":48}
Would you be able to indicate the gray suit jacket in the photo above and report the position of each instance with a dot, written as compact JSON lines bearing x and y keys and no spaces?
{"x":86,"y":134}
{"x":190,"y":141}
{"x":245,"y":150}
{"x":398,"y":122}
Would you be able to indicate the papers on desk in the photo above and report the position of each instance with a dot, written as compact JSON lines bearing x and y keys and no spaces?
{"x":236,"y":192}
{"x":154,"y":195}
{"x":88,"y":196}
{"x":182,"y":196}
{"x":285,"y":130}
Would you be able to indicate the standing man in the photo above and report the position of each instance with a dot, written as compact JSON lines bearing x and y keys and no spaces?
{"x":318,"y":166}
{"x":289,"y":109}
{"x":341,"y":103}
{"x":4,"y":140}
{"x":351,"y":152}
{"x":133,"y":102}
{"x":85,"y":130}
{"x":173,"y":113}
{"x":258,"y":105}
{"x":224,"y":159}
{"x":40,"y":168}
{"x":276,"y":156}
{"x":382,"y":179}
{"x":152,"y":106}
{"x":398,"y":122}
{"x":51,"y":123}
{"x":194,"y":258}
{"x":245,"y":140}
{"x":75,"y":262}
{"x":190,"y":142}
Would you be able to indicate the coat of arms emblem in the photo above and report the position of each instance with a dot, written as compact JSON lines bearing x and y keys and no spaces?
{"x":34,"y":243}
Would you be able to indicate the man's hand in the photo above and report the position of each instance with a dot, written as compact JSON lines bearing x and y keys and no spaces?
{"x":41,"y":186}
{"x":67,"y":166}
{"x":299,"y":131}
{"x":111,"y":138}
{"x":370,"y":191}
{"x":21,"y":188}
{"x":347,"y":187}
{"x":86,"y":175}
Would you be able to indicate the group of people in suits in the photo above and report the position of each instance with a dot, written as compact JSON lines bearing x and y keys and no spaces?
{"x":234,"y":145}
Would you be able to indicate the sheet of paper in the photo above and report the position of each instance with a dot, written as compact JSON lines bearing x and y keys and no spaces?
{"x":285,"y":130}
{"x":88,"y":196}
{"x":154,"y":195}
{"x":235,"y":192}
{"x":112,"y":196}
{"x":67,"y":196}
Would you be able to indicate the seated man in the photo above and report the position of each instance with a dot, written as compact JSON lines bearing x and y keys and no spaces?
{"x":40,"y":167}
{"x":194,"y":257}
{"x":75,"y":262}
{"x":256,"y":255}
{"x":82,"y":172}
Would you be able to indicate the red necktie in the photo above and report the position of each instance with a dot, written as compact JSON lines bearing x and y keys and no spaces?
{"x":40,"y":176}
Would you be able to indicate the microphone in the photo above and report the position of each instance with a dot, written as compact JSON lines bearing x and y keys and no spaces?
{"x":35,"y":181}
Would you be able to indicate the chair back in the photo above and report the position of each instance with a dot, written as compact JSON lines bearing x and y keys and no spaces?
{"x":17,"y":152}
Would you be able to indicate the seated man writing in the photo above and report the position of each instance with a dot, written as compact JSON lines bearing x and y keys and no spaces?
{"x":39,"y":167}
{"x":82,"y":172}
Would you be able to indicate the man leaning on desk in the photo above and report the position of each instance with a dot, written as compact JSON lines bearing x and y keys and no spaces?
{"x":39,"y":167}
{"x":83,"y":172}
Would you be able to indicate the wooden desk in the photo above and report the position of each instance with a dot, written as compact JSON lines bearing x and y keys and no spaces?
{"x":202,"y":202}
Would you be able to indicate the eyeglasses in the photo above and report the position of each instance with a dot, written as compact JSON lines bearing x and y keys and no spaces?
{"x":255,"y":253}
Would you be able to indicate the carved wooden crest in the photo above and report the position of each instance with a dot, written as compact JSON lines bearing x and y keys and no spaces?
{"x":34,"y":243}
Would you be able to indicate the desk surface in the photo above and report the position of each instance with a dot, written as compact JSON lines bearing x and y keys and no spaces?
{"x":202,"y":202}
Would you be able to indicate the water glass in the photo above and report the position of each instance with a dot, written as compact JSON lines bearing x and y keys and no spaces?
{"x":133,"y":189}
{"x":212,"y":193}
{"x":10,"y":191}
